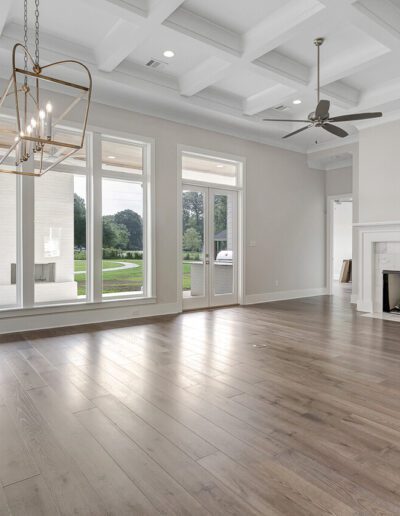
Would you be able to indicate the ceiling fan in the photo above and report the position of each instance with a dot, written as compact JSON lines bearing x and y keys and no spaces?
{"x":320,"y":117}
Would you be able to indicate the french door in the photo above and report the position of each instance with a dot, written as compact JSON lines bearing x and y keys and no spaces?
{"x":209,"y":247}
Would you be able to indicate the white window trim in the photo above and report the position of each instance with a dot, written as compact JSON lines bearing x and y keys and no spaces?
{"x":25,"y":232}
{"x":241,"y":206}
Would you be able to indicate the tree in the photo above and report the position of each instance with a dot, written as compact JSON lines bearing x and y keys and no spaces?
{"x":114,"y":235}
{"x":79,"y":221}
{"x":193,"y":211}
{"x":134,"y":224}
{"x":191,"y":240}
{"x":220,"y":213}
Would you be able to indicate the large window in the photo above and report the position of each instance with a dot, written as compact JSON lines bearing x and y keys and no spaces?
{"x":8,"y":236}
{"x":83,"y":233}
{"x":123,"y":221}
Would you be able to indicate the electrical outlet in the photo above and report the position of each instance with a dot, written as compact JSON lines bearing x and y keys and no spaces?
{"x":252,"y":243}
{"x":276,"y":283}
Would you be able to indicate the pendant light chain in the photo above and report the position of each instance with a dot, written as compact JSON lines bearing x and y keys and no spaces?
{"x":26,"y":37}
{"x":37,"y":32}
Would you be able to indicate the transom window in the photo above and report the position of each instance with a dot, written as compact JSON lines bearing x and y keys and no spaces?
{"x":204,"y":169}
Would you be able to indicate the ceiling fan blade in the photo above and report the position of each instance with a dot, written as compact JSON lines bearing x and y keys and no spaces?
{"x":334,"y":129}
{"x":283,"y":120}
{"x":298,"y":131}
{"x":322,"y":110}
{"x":356,"y":116}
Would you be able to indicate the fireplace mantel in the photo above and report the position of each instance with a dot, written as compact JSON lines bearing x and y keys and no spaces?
{"x":369,"y":235}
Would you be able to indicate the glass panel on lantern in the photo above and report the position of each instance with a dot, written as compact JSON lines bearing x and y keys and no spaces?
{"x":53,"y":153}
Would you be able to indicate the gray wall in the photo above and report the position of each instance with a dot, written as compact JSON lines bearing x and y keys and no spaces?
{"x":379,"y":173}
{"x":285,"y":205}
{"x":339,"y":181}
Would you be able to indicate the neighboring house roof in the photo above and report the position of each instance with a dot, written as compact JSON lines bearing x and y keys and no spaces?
{"x":221,"y":235}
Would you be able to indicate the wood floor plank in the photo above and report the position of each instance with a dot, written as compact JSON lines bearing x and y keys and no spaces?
{"x":31,"y":496}
{"x":68,"y":485}
{"x":119,"y":494}
{"x":4,"y":507}
{"x":161,"y":489}
{"x":16,"y":463}
{"x":26,"y":375}
{"x":66,"y":391}
{"x":188,"y":473}
{"x":288,"y":408}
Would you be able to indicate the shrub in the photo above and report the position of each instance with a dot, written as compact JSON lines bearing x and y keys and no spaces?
{"x":80,"y":255}
{"x":110,"y":252}
{"x":138,"y":255}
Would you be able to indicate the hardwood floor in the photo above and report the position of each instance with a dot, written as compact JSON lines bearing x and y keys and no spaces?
{"x":288,"y":408}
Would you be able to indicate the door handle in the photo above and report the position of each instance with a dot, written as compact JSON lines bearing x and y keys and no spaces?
{"x":207,"y":262}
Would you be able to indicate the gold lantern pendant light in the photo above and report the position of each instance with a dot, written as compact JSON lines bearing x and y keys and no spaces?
{"x":35,"y":140}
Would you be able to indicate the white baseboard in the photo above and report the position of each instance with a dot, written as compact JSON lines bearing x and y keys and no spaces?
{"x":76,"y":318}
{"x":283,"y":295}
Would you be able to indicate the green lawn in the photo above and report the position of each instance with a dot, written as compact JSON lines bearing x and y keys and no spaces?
{"x":126,"y":280}
{"x":120,"y":281}
{"x":186,"y":275}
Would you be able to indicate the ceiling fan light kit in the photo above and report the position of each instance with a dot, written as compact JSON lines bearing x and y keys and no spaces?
{"x":321,"y":117}
{"x":36,"y":141}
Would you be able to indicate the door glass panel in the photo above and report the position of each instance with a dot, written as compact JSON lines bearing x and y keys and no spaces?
{"x":193,"y":267}
{"x":223,"y":244}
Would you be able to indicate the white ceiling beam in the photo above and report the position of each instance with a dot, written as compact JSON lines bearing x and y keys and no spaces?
{"x":278,"y":27}
{"x":128,"y":34}
{"x":211,"y":70}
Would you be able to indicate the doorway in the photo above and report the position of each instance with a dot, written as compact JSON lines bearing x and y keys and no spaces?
{"x":340,"y":245}
{"x":210,"y":232}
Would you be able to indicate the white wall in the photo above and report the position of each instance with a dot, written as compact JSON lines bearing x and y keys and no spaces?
{"x":342,"y":235}
{"x":379,"y":173}
{"x":285,"y":208}
{"x":339,"y":181}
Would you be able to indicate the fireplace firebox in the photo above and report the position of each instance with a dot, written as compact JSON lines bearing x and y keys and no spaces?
{"x":391,"y":292}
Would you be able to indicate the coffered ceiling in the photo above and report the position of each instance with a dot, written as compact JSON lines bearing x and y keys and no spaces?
{"x":235,"y":60}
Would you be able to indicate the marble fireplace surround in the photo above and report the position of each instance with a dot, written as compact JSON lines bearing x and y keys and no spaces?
{"x":379,"y":249}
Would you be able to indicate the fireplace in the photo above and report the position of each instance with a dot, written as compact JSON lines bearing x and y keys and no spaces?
{"x":391,"y":292}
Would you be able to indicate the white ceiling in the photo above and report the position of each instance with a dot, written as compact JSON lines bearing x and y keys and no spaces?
{"x":235,"y":60}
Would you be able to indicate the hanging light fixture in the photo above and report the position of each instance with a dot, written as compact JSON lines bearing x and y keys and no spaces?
{"x":35,"y":141}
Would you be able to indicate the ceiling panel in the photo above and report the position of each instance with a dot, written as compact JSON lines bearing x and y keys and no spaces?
{"x":188,"y":51}
{"x":237,"y":16}
{"x":71,"y":20}
{"x":244,"y":83}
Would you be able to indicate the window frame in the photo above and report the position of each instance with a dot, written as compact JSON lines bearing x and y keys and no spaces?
{"x":94,"y":174}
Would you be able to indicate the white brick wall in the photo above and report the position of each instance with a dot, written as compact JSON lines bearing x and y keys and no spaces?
{"x":54,"y":233}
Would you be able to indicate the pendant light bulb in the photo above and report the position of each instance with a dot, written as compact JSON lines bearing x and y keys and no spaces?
{"x":33,"y":123}
{"x":42,"y":114}
{"x":49,"y":107}
{"x":29,"y":130}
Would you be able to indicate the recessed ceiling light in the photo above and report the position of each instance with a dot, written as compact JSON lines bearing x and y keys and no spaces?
{"x":168,"y":53}
{"x":297,"y":101}
{"x":220,"y":166}
{"x":110,"y":157}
